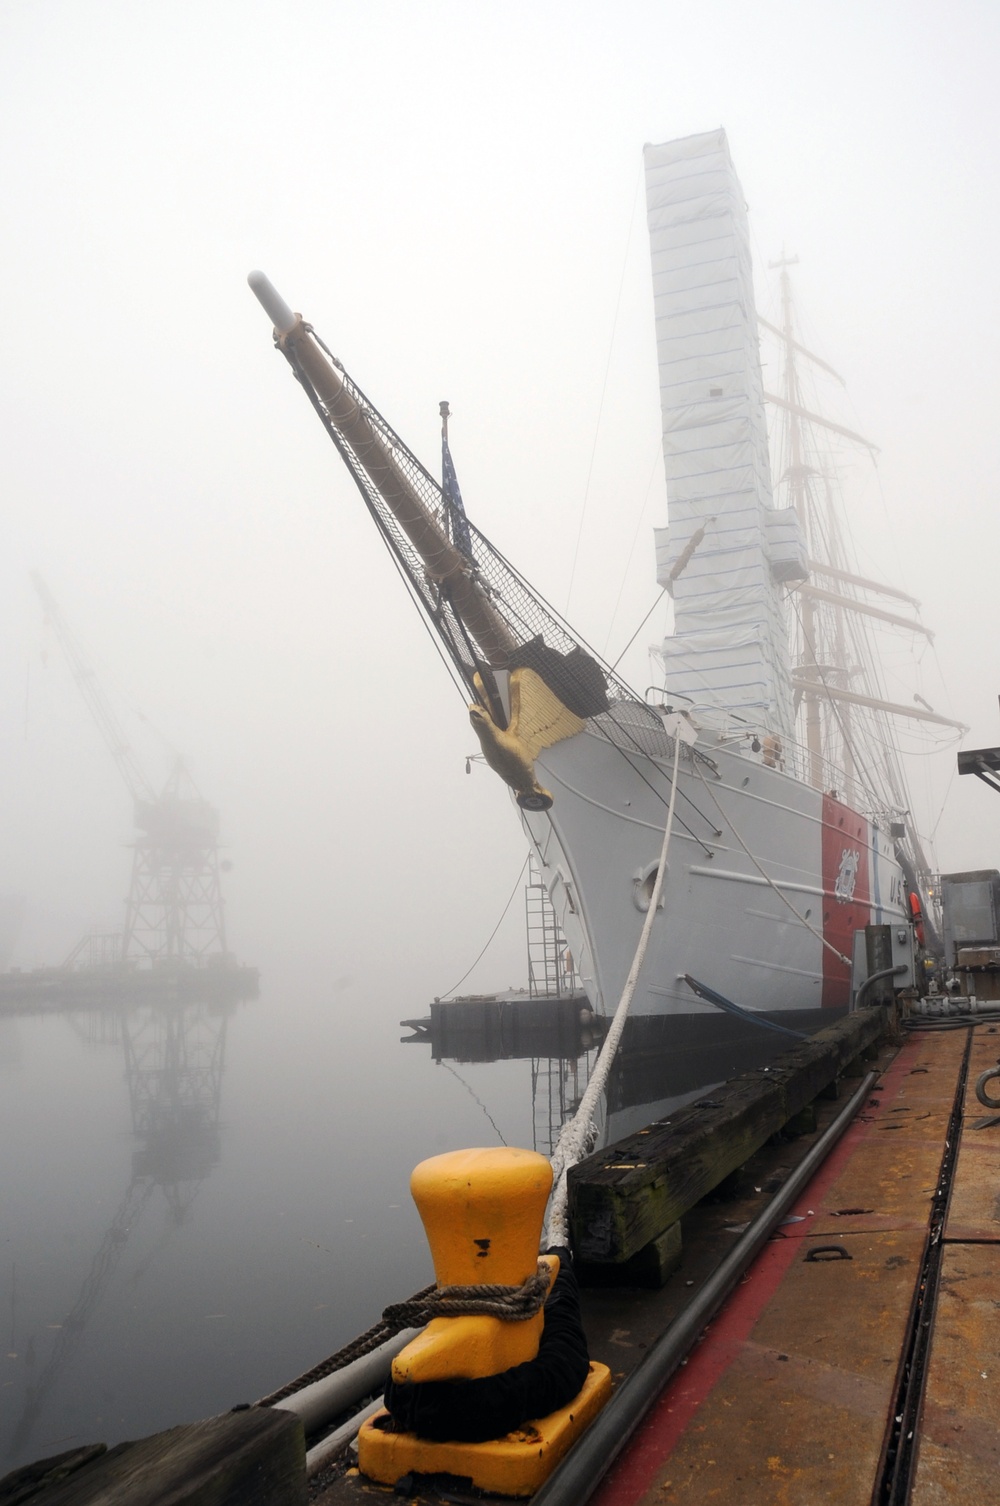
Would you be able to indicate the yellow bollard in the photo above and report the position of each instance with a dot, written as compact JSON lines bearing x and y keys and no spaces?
{"x":482,"y":1211}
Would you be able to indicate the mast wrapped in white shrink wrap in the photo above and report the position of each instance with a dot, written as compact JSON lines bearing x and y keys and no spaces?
{"x":729,"y":647}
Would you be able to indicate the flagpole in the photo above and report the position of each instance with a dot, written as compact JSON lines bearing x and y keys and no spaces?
{"x":445,"y":412}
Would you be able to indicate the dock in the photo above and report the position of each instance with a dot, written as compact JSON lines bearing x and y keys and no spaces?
{"x":856,"y":1361}
{"x":876,"y":1299}
{"x":853,"y":1358}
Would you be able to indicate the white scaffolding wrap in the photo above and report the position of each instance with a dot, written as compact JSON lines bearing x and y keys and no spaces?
{"x":729,"y":648}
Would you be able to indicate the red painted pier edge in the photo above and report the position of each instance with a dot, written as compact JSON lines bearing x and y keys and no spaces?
{"x":631,"y":1476}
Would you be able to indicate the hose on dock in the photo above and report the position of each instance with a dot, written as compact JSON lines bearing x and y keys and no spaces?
{"x":886,"y":972}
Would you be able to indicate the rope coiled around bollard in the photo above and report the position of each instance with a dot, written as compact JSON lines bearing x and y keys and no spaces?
{"x":491,"y":1406}
{"x":378,"y":1334}
{"x":511,"y":1303}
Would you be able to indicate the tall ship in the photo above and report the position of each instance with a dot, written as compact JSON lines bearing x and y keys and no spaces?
{"x":770,"y":740}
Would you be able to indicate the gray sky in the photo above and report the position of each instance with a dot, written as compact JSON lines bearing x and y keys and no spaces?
{"x":450,"y":192}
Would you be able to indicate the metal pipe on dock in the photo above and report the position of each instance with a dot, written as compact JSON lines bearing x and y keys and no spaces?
{"x":324,"y":1452}
{"x":322,"y":1400}
{"x":575,"y":1480}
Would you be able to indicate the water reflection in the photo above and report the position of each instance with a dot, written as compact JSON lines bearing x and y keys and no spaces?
{"x":190,"y":1280}
{"x":174,"y":1057}
{"x":662,"y":1063}
{"x":560,"y":1036}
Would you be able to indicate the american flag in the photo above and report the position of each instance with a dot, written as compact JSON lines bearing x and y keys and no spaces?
{"x":455,"y":510}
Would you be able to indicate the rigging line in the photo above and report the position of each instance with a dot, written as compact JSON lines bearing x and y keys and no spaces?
{"x":858,"y":761}
{"x":495,"y":929}
{"x":415,"y":597}
{"x":638,"y":748}
{"x":643,"y":754}
{"x":420,"y":603}
{"x":944,"y":683}
{"x":639,"y":629}
{"x":576,"y":1137}
{"x":946,"y":741}
{"x":627,"y":691}
{"x":767,"y":877}
{"x":604,"y":388}
{"x":459,"y":685}
{"x":476,"y":663}
{"x":474,"y":1095}
{"x":944,"y":802}
{"x":663,"y":800}
{"x":635,"y":539}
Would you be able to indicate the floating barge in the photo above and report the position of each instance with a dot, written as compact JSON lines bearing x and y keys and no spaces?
{"x":500,"y":1027}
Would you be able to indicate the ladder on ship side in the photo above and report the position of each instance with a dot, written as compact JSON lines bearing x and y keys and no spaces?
{"x":557,"y":1086}
{"x":551,"y":972}
{"x":556,"y":1083}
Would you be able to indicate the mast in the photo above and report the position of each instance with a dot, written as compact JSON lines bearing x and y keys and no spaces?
{"x":442,"y":560}
{"x":796,"y":476}
{"x":532,"y":680}
{"x":728,"y":553}
{"x":832,"y":616}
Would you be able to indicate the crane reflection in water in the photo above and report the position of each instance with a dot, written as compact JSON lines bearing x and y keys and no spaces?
{"x":174,"y":1055}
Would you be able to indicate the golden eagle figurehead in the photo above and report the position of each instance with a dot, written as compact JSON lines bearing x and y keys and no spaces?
{"x":537,"y":720}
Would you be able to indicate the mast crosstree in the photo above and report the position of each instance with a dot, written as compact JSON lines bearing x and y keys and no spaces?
{"x":842,"y":707}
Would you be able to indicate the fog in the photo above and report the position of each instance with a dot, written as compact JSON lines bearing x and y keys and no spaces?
{"x":450,"y":193}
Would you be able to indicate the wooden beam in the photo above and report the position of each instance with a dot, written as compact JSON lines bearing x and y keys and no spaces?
{"x":810,"y":686}
{"x":817,"y":567}
{"x":801,"y":348}
{"x":256,"y":1457}
{"x":817,"y":593}
{"x":630,"y":1193}
{"x":817,"y":418}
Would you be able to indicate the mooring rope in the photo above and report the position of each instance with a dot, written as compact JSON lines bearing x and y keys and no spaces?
{"x":379,"y":1333}
{"x":512,"y":1304}
{"x":577,"y":1137}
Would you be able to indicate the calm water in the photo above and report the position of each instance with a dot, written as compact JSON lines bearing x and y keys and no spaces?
{"x":196,"y":1205}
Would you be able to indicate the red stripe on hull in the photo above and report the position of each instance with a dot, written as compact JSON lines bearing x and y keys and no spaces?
{"x":846,"y":894}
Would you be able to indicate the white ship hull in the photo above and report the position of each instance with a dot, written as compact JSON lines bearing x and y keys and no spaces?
{"x":769,"y":877}
{"x":725,"y":918}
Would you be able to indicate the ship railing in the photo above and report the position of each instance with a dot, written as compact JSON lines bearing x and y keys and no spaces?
{"x":802,"y":764}
{"x":739,"y":735}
